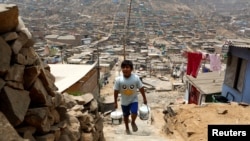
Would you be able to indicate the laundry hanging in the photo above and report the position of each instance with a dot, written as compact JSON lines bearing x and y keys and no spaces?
{"x":193,"y":65}
{"x":215,"y":63}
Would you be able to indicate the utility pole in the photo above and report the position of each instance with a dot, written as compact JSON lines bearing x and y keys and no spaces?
{"x":61,"y":47}
{"x":124,"y":42}
{"x":98,"y":71}
{"x":96,"y":58}
{"x":61,"y":56}
{"x":126,"y":25}
{"x":150,"y":69}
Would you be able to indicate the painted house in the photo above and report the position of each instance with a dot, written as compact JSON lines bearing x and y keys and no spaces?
{"x":237,"y":75}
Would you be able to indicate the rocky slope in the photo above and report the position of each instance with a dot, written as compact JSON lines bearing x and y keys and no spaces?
{"x":30,"y":106}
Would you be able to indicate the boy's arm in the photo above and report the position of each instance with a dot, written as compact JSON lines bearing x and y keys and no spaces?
{"x":116,"y":92}
{"x":143,"y":95}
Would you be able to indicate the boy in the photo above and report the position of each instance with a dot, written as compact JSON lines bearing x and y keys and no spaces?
{"x":127,"y":84}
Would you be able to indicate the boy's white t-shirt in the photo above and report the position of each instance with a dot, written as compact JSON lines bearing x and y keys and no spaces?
{"x":128,"y":88}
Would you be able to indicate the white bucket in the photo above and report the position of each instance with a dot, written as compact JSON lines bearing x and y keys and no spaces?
{"x":116,"y":117}
{"x":144,"y":112}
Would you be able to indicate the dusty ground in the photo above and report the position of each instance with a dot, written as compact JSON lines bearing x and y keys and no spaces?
{"x":191,"y":121}
{"x":156,"y":102}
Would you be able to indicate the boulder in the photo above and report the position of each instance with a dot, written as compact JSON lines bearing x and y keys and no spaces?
{"x":5,"y":56}
{"x":15,"y":104}
{"x":10,"y":23}
{"x":7,"y":132}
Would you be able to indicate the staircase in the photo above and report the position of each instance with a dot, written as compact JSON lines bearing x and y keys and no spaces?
{"x":146,"y":132}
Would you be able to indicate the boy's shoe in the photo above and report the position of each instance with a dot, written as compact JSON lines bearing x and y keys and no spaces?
{"x":134,"y":127}
{"x":128,"y":132}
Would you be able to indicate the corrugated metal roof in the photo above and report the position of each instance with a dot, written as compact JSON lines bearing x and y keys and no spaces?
{"x":241,"y":43}
{"x":240,"y":46}
{"x":68,"y":74}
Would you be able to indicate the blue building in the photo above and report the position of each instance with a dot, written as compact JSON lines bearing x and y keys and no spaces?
{"x":236,"y":85}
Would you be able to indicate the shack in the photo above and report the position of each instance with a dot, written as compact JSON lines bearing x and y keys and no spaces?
{"x":200,"y":90}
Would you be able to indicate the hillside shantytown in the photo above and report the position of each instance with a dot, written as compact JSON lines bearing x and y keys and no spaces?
{"x":59,"y":60}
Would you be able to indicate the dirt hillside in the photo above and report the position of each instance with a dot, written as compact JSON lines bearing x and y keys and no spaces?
{"x":191,"y":121}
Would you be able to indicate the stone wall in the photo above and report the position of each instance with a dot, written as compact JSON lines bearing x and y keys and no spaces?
{"x":30,"y":106}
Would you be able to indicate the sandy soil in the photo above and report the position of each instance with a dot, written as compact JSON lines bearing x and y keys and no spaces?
{"x":191,"y":121}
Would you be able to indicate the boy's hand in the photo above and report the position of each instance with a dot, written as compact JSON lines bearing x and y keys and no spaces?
{"x":115,"y":105}
{"x":145,"y":102}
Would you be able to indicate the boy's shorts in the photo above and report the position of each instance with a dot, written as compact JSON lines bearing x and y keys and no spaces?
{"x":131,"y":108}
